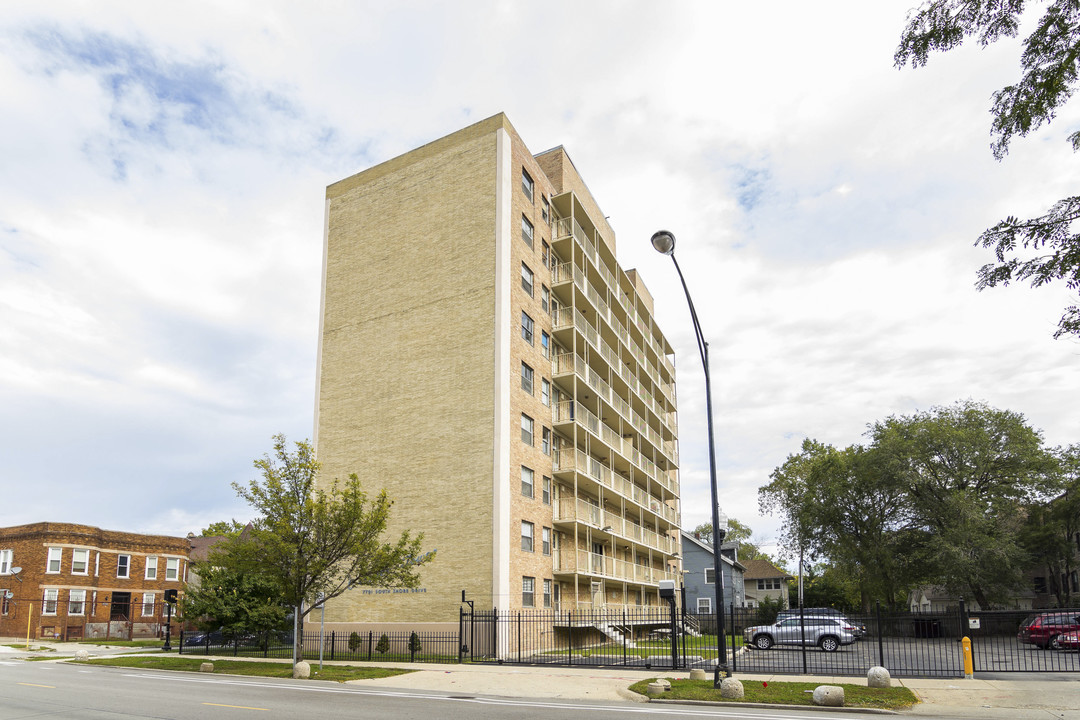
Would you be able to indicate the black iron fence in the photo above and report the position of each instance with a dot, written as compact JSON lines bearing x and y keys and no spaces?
{"x":907,"y":644}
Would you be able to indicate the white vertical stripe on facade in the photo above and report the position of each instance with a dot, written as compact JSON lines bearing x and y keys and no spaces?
{"x":322,"y":319}
{"x":500,"y":581}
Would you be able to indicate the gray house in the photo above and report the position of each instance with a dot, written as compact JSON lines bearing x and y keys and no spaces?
{"x":697,"y":562}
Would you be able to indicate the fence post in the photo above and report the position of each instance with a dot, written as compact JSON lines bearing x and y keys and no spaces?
{"x":569,"y":639}
{"x":732,"y":626}
{"x":964,"y":630}
{"x":460,"y":631}
{"x":180,"y":647}
{"x":519,"y":634}
{"x":333,"y":638}
{"x":624,"y":637}
{"x":880,"y":639}
{"x":370,"y":635}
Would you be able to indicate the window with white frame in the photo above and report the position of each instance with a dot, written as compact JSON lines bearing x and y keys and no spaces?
{"x":76,"y":602}
{"x":527,"y":279}
{"x":545,"y":298}
{"x":123,"y":566}
{"x":527,"y":430}
{"x":526,"y":378}
{"x":526,"y":231}
{"x":704,"y":605}
{"x":545,"y":209}
{"x":526,"y":481}
{"x":528,"y":591}
{"x":48,"y":602}
{"x":148,"y":605}
{"x":52,"y":562}
{"x":545,"y":391}
{"x":547,"y":593}
{"x":768,"y":584}
{"x":527,"y":185}
{"x":545,"y":343}
{"x":545,"y":540}
{"x":151,"y":567}
{"x":172,"y":568}
{"x":545,"y":440}
{"x":710,"y":575}
{"x":546,"y":491}
{"x":526,"y":536}
{"x":80,"y":561}
{"x":545,"y":253}
{"x":5,"y":602}
{"x":6,"y":559}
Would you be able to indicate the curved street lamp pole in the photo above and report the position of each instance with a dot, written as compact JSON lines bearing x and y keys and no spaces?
{"x":664,"y":243}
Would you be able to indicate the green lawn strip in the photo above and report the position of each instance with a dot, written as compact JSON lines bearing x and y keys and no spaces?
{"x":786,"y":693}
{"x":339,"y":673}
{"x":39,"y":648}
{"x":124,"y":643}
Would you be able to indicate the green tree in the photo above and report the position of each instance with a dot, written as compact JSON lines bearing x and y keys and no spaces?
{"x":739,"y":533}
{"x":849,"y":507}
{"x":1045,"y":248}
{"x":1051,"y":528}
{"x":967,"y":471}
{"x":237,"y":602}
{"x":311,"y":540}
{"x":223,"y":528}
{"x":383,"y":646}
{"x":354,"y":642}
{"x":768,"y":608}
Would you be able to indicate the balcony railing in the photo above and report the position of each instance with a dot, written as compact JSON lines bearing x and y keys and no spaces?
{"x":583,"y":562}
{"x":570,"y":458}
{"x":581,"y":511}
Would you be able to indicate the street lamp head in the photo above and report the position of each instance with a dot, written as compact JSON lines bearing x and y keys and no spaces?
{"x":721,"y":524}
{"x":664,"y":242}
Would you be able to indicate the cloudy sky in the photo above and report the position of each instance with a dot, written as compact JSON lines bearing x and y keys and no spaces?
{"x":162,"y":170}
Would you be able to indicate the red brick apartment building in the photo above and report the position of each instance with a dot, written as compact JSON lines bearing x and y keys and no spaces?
{"x":66,"y":581}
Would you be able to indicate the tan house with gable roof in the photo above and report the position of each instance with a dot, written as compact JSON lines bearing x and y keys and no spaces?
{"x":763,"y":579}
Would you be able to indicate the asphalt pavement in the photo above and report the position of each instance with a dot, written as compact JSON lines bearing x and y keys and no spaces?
{"x":1014,"y":696}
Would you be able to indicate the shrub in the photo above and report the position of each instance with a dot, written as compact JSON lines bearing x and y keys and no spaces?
{"x":354,"y":642}
{"x":384,"y":645}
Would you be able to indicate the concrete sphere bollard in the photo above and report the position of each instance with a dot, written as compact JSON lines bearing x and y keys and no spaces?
{"x":829,"y":696}
{"x":82,"y":654}
{"x":665,"y":683}
{"x":656,"y":688}
{"x":878,"y":677}
{"x":698,"y":674}
{"x":731,"y":689}
{"x":206,"y":667}
{"x":301,"y":670}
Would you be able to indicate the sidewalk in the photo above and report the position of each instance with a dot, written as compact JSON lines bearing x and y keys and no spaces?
{"x":993,"y":697}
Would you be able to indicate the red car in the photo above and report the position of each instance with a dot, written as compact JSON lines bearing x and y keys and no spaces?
{"x":1045,"y":629}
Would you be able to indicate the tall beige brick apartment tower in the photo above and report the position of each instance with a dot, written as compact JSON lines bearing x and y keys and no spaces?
{"x":485,"y":359}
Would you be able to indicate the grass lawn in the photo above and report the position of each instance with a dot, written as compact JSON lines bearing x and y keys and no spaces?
{"x":39,"y":648}
{"x":787,"y":693}
{"x":339,"y":673}
{"x":124,"y":643}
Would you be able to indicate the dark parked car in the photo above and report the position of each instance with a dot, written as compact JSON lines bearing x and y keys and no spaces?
{"x":1044,"y":629}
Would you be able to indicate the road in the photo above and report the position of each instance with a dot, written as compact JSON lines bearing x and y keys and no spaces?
{"x":74,"y":692}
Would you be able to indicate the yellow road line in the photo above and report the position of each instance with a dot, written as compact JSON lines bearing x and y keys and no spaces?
{"x":237,"y":707}
{"x":51,"y":687}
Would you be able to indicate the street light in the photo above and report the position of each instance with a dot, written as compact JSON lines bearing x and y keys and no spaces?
{"x":664,"y":242}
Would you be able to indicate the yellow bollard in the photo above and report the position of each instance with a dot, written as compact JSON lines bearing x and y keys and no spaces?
{"x":969,"y":665}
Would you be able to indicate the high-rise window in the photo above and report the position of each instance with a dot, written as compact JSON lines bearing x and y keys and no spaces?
{"x":545,"y":540}
{"x":545,"y":295}
{"x":527,"y":329}
{"x":545,"y":440}
{"x":526,"y":536}
{"x":545,"y":209}
{"x":527,"y":430}
{"x":545,"y":341}
{"x":527,"y":281}
{"x":547,"y":593}
{"x":528,"y":591}
{"x":527,"y":482}
{"x":546,"y":490}
{"x":545,"y":253}
{"x":527,"y":185}
{"x":526,"y":378}
{"x":545,"y":391}
{"x":526,"y":231}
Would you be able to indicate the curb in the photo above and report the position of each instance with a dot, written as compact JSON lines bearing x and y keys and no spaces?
{"x":771,"y":706}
